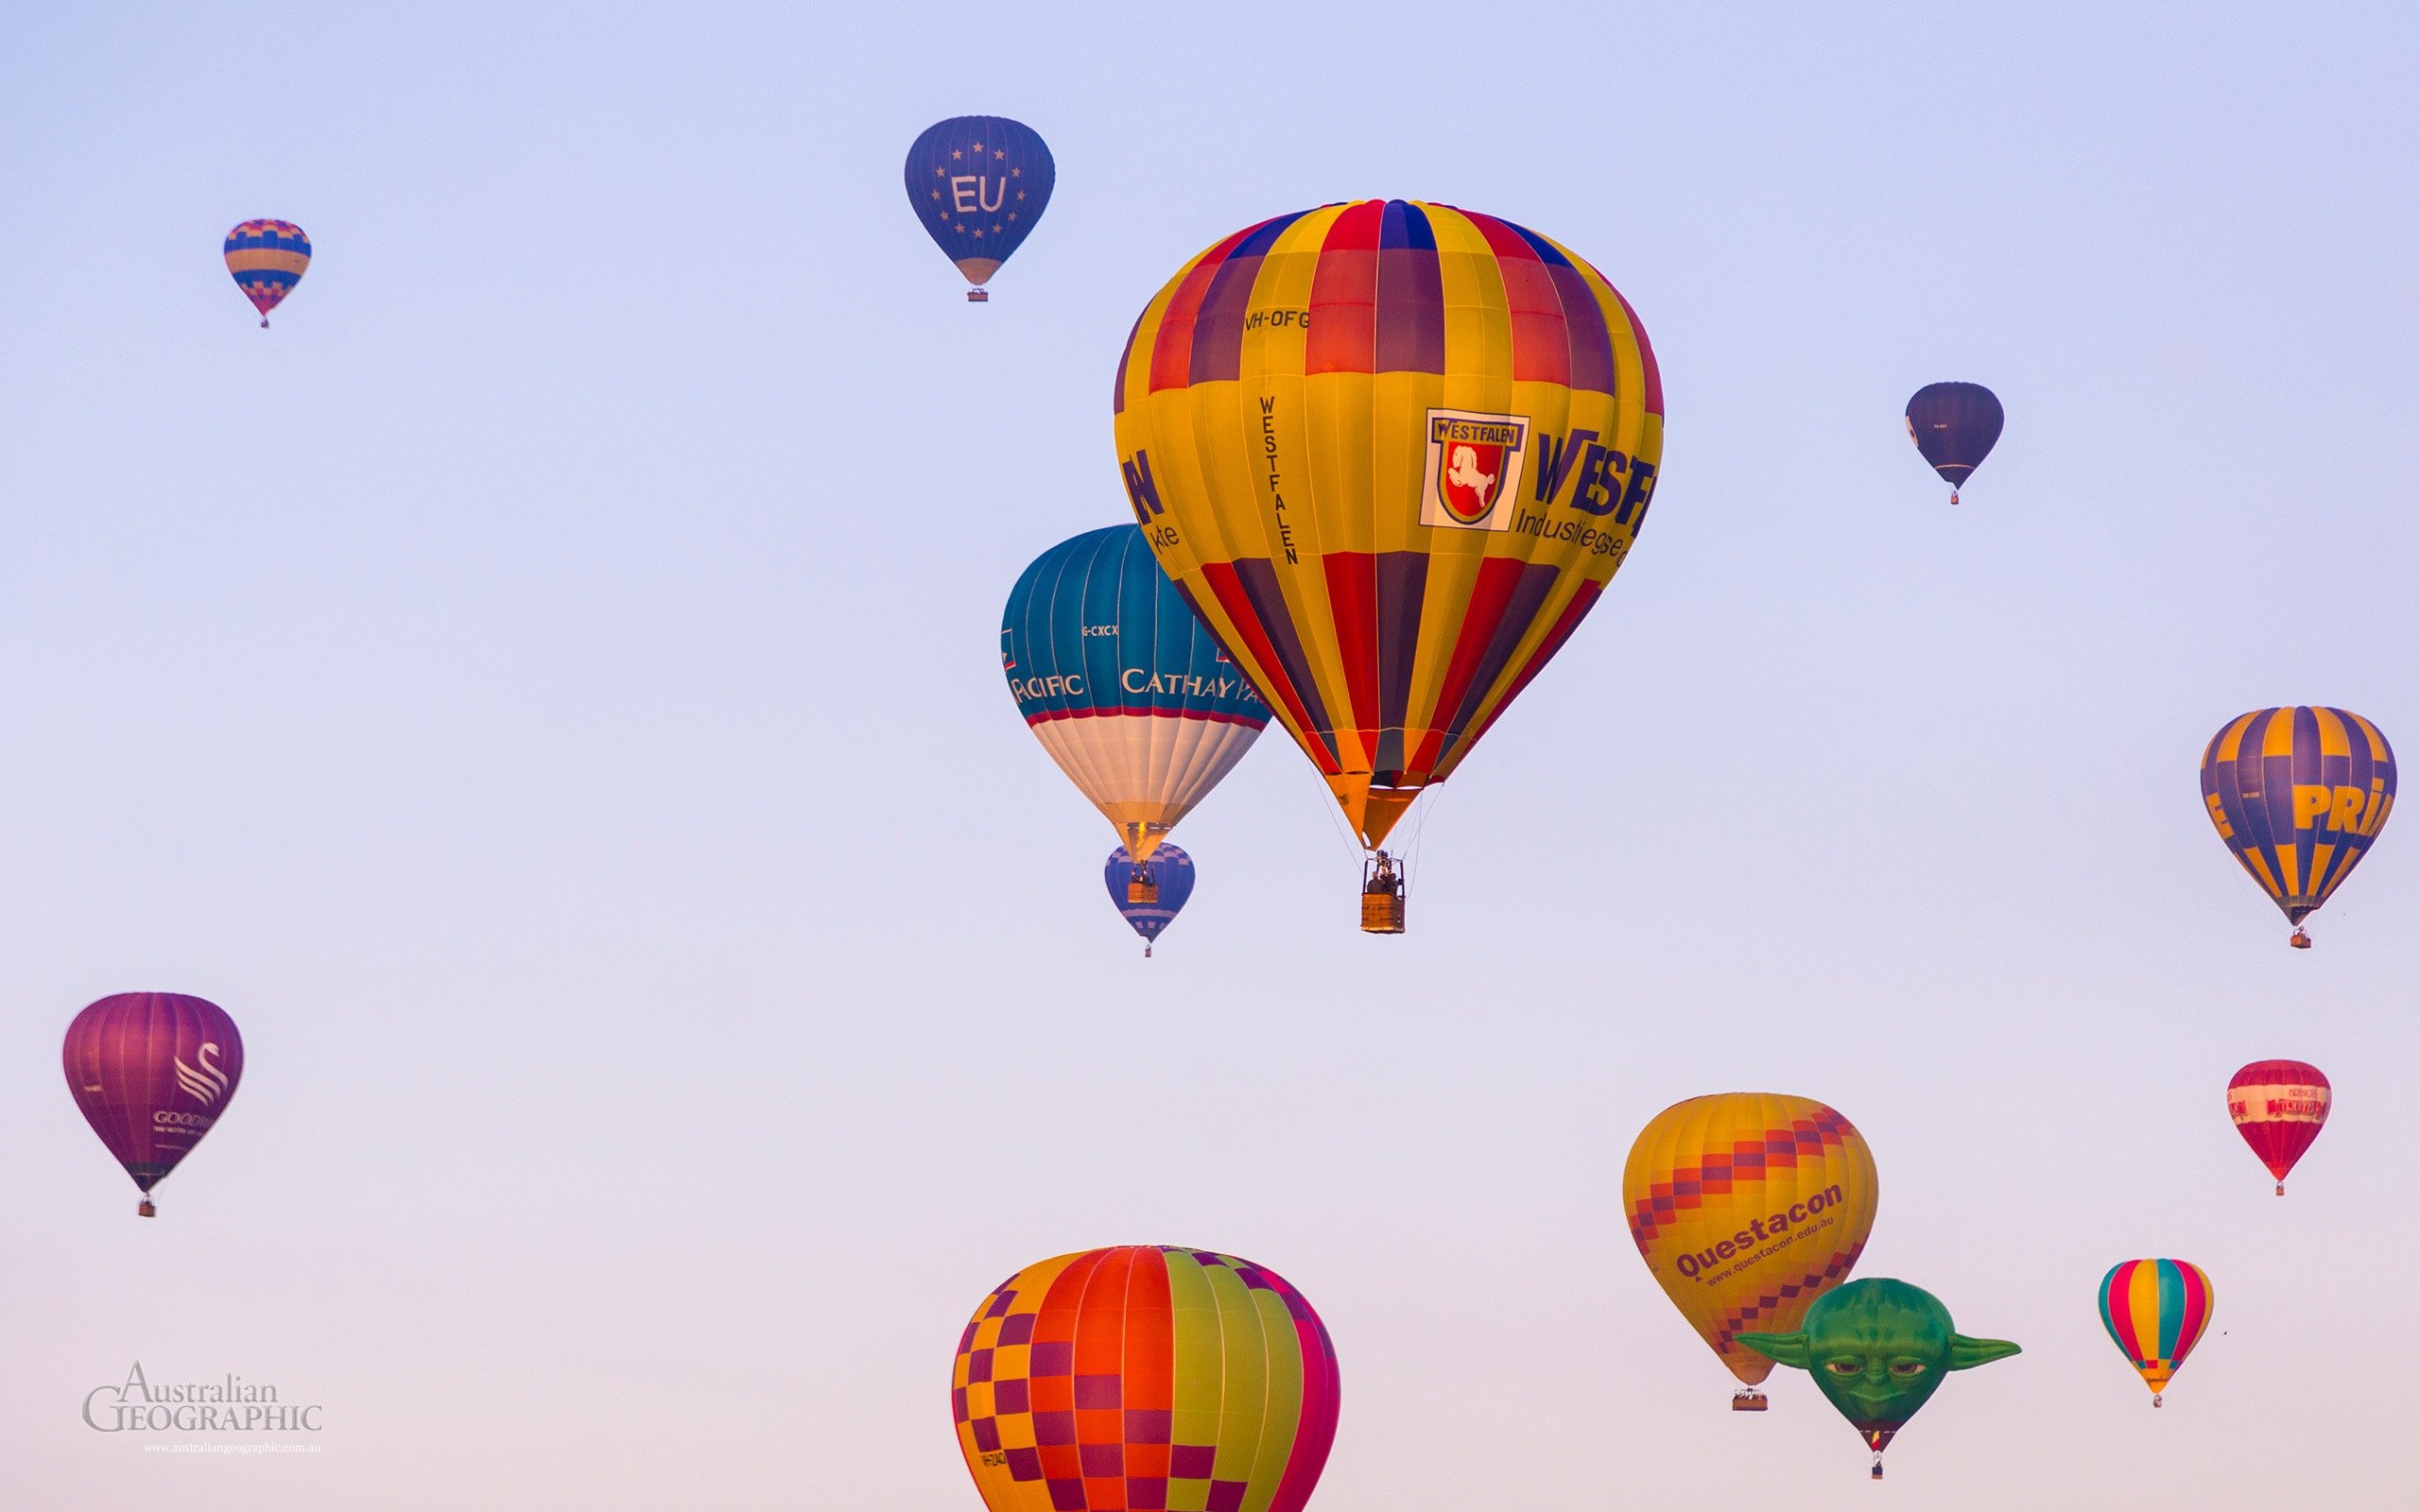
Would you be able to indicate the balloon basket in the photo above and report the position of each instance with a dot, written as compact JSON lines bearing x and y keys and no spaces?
{"x":1141,"y":891}
{"x":2281,"y":1189}
{"x":1147,"y":953}
{"x":1751,"y":1400}
{"x":2155,"y":1399}
{"x":2299,"y":939}
{"x":264,"y":322}
{"x":1381,"y":895}
{"x":1877,"y":1467}
{"x":973,"y":296}
{"x":144,"y":1209}
{"x":1953,"y":499}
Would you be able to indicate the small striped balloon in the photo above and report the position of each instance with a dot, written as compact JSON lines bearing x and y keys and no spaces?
{"x":2157,"y":1310}
{"x":267,"y":258}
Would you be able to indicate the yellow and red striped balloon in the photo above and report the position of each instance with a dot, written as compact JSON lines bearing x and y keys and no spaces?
{"x":1145,"y":1376}
{"x":1392,"y":452}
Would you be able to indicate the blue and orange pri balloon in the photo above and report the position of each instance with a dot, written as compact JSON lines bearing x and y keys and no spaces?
{"x":1955,"y":426}
{"x":1123,"y":684}
{"x":267,"y":258}
{"x":2298,"y":794}
{"x":1152,"y":891}
{"x":978,"y":183}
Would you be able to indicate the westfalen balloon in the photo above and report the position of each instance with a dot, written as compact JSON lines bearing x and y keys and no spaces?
{"x":1123,"y":685}
{"x":2155,"y":1311}
{"x":1145,"y":1376}
{"x":152,"y":1071}
{"x":2279,"y":1107}
{"x":1878,"y":1350}
{"x":1747,"y":1207}
{"x":1955,"y":426}
{"x":1151,"y":892}
{"x":267,"y":258}
{"x":978,"y":183}
{"x":2298,"y":794}
{"x":1393,"y":452}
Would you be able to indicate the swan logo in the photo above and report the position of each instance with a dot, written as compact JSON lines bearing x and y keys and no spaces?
{"x":206,"y":1083}
{"x":1474,"y":466}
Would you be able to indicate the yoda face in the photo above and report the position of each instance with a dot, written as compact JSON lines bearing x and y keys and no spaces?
{"x":1878,"y":1348}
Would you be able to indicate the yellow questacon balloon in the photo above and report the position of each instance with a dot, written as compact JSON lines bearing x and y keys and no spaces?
{"x":1748,"y":1207}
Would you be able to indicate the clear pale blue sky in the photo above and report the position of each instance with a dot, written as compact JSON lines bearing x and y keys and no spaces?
{"x":546,"y":689}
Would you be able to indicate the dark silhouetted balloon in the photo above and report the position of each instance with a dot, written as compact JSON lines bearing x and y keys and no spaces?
{"x":1955,"y":426}
{"x":152,"y":1071}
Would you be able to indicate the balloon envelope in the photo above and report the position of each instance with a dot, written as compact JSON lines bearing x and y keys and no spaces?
{"x":1123,"y":685}
{"x":2156,"y":1310}
{"x":1145,"y":1376}
{"x":152,"y":1071}
{"x":2298,"y":794}
{"x":2279,"y":1107}
{"x":978,"y":183}
{"x":1168,"y":869}
{"x":267,"y":258}
{"x":1747,"y":1207}
{"x":1392,"y":452}
{"x":1955,"y":426}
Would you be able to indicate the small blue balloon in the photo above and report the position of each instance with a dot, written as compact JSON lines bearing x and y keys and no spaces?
{"x":978,"y":183}
{"x":1170,"y":870}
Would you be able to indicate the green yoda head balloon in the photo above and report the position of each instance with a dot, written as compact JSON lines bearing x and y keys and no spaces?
{"x":1878,"y":1350}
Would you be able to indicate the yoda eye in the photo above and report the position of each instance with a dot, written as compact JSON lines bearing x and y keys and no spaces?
{"x":1907,"y":1367}
{"x":1844,"y":1367}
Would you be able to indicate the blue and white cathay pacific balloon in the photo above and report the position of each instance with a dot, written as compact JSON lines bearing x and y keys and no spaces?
{"x":1123,"y":684}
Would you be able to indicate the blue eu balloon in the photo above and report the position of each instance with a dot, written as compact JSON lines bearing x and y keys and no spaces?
{"x":1169,"y":872}
{"x":978,"y":183}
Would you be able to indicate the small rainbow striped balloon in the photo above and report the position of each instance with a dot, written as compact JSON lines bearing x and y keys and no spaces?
{"x":2156,"y":1310}
{"x":1145,"y":1376}
{"x":267,"y":258}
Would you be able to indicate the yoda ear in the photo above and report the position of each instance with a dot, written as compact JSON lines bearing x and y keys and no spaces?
{"x":1782,"y":1348}
{"x":1965,"y":1353}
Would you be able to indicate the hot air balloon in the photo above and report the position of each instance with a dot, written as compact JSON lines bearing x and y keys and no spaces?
{"x":152,"y":1071}
{"x":1123,"y":685}
{"x":1747,"y":1207}
{"x":2298,"y":794}
{"x":1150,"y":892}
{"x":1955,"y":426}
{"x":1145,"y":1376}
{"x":2279,"y":1107}
{"x":1878,"y":1350}
{"x":1392,"y":452}
{"x":2157,"y":1310}
{"x":267,"y":258}
{"x":978,"y":183}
